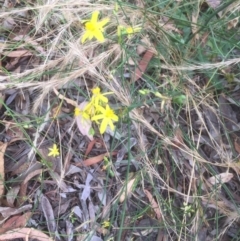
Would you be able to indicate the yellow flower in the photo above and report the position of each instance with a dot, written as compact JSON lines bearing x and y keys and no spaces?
{"x":94,"y":28}
{"x":53,"y":151}
{"x":98,"y":97}
{"x":106,"y":224}
{"x":83,"y":113}
{"x":108,"y":116}
{"x":127,"y":30}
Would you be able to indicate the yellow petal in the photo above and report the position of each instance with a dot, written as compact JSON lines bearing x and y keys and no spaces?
{"x":94,"y":18}
{"x":103,"y":22}
{"x":85,"y":116}
{"x":96,"y":90}
{"x":97,"y":117}
{"x":101,"y":109}
{"x":77,"y":111}
{"x":103,"y":126}
{"x":90,"y":36}
{"x":103,"y":99}
{"x":111,"y":125}
{"x":114,"y":117}
{"x":85,"y":37}
{"x":99,"y":35}
{"x":89,"y":26}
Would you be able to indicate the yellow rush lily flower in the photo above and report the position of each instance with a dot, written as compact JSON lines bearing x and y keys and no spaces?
{"x":94,"y":28}
{"x":53,"y":151}
{"x":108,"y":116}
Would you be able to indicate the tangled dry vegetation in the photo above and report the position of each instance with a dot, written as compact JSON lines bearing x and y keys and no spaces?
{"x":170,"y":168}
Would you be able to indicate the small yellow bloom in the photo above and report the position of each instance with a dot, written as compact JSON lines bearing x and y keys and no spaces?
{"x":108,"y":116}
{"x":53,"y":151}
{"x":83,"y":113}
{"x":106,"y":224}
{"x":94,"y":28}
{"x":127,"y":30}
{"x":98,"y":97}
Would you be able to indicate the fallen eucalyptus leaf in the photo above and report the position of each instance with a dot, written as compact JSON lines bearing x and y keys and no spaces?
{"x":83,"y":124}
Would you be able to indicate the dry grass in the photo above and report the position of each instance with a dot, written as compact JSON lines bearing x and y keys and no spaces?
{"x":180,"y":145}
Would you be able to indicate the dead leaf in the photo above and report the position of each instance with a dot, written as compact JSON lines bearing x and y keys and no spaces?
{"x":212,"y":123}
{"x":22,"y":103}
{"x":131,"y":61}
{"x":29,"y":41}
{"x":91,"y":211}
{"x":73,"y":169}
{"x":213,"y":3}
{"x":48,"y":214}
{"x":94,"y":160}
{"x":232,"y":23}
{"x":144,"y":44}
{"x":70,"y":231}
{"x":169,"y":26}
{"x":32,"y":166}
{"x":154,"y":204}
{"x":220,"y":178}
{"x":77,"y":211}
{"x":140,"y":69}
{"x":178,"y":138}
{"x":11,"y":195}
{"x":7,"y":211}
{"x":2,"y":95}
{"x":84,"y":125}
{"x":17,"y":53}
{"x":87,"y":187}
{"x":3,"y":147}
{"x":90,"y":146}
{"x":60,"y":182}
{"x":15,"y":132}
{"x":62,"y":208}
{"x":102,"y":192}
{"x":229,"y":116}
{"x":18,"y":221}
{"x":25,"y":233}
{"x":8,"y":23}
{"x":21,"y":169}
{"x":140,"y":4}
{"x":22,"y":194}
{"x":127,"y":189}
{"x":31,"y":175}
{"x":237,"y":146}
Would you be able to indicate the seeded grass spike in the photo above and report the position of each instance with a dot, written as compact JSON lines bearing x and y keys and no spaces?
{"x":53,"y":151}
{"x":94,"y":28}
